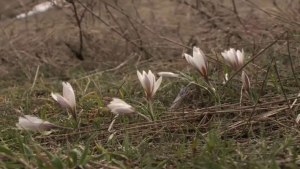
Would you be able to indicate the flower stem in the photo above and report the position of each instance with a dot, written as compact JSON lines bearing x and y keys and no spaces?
{"x":151,"y":109}
{"x":215,"y":93}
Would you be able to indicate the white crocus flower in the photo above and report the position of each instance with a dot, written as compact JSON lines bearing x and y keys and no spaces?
{"x":149,"y":83}
{"x":168,"y":74}
{"x":33,"y":123}
{"x":118,"y":106}
{"x":198,"y":61}
{"x":246,"y":82}
{"x":235,"y":59}
{"x":67,"y":100}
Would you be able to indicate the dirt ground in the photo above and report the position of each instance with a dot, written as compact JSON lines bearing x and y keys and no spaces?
{"x":51,"y":39}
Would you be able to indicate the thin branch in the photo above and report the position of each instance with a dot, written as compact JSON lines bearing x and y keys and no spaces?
{"x":290,"y":59}
{"x":281,"y":86}
{"x":114,"y":29}
{"x":144,"y":26}
{"x":237,"y":15}
{"x":78,"y":20}
{"x":260,"y":92}
{"x":115,"y":20}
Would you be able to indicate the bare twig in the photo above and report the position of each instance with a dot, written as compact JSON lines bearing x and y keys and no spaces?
{"x":260,"y":92}
{"x":147,"y":28}
{"x":113,"y":29}
{"x":290,"y":59}
{"x":78,"y":20}
{"x":115,"y":20}
{"x":281,"y":86}
{"x":237,"y":15}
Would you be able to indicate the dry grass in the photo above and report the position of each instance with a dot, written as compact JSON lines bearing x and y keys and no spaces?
{"x":119,"y":38}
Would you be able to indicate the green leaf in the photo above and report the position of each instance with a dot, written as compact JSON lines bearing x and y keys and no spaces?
{"x":46,"y":133}
{"x":163,"y":163}
{"x":57,"y":163}
{"x":49,"y":155}
{"x":12,"y":165}
{"x":126,"y":144}
{"x":73,"y":154}
{"x":22,"y":149}
{"x":118,"y":163}
{"x":117,"y":155}
{"x":43,"y":112}
{"x":111,"y":137}
{"x":40,"y":163}
{"x":7,"y":151}
{"x":27,"y":150}
{"x":99,"y":157}
{"x":84,"y":156}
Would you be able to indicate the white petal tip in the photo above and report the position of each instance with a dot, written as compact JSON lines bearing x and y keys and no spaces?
{"x":167,"y":74}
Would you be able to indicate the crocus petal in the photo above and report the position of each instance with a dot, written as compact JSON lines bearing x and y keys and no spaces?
{"x":235,"y":59}
{"x":149,"y":83}
{"x":141,"y":78}
{"x":118,"y":106}
{"x":234,"y":56}
{"x":33,"y":123}
{"x":69,"y":94}
{"x":230,"y":59}
{"x":189,"y":59}
{"x":62,"y":101}
{"x":151,"y":78}
{"x":123,"y":111}
{"x":156,"y":85}
{"x":68,"y":101}
{"x":54,"y":96}
{"x":117,"y":103}
{"x":148,"y":86}
{"x":240,"y":56}
{"x":199,"y":58}
{"x":168,"y":74}
{"x":145,"y":82}
{"x":198,"y":61}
